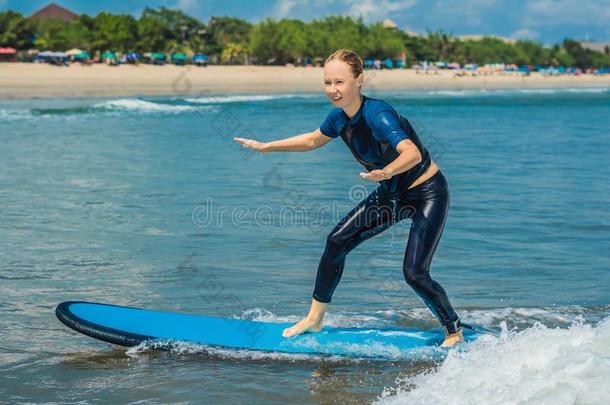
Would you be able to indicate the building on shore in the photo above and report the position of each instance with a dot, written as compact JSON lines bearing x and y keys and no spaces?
{"x":54,"y":11}
{"x":603,"y":47}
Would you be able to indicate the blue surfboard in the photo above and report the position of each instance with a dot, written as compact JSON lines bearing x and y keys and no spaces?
{"x":126,"y":326}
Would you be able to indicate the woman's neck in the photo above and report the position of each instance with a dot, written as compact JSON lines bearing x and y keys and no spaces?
{"x":352,"y":109}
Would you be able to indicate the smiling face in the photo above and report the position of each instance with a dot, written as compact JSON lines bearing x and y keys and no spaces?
{"x":340,"y":85}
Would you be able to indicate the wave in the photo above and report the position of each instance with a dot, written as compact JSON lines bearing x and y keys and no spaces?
{"x":535,"y":365}
{"x":350,"y":352}
{"x":490,"y":318}
{"x":214,"y":99}
{"x":117,"y":106}
{"x":509,"y":92}
{"x":188,"y":348}
{"x":143,"y":106}
{"x":14,"y":115}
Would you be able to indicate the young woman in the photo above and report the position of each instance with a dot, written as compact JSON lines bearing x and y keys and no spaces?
{"x":411,"y":186}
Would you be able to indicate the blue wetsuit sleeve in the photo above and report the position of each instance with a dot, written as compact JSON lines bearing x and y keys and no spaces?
{"x":386,"y":127}
{"x":330,"y":126}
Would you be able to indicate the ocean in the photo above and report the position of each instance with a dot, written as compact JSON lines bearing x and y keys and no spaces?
{"x":147,"y":202}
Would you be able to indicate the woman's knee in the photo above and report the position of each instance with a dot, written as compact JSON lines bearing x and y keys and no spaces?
{"x":336,"y":243}
{"x":416,"y":277}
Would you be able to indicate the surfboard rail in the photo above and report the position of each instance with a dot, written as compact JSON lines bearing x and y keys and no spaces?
{"x":104,"y":333}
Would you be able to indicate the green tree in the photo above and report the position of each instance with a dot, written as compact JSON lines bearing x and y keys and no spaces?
{"x":114,"y":32}
{"x":599,"y":60}
{"x":173,"y":20}
{"x":491,"y":50}
{"x":291,"y":39}
{"x":262,"y":41}
{"x":152,"y":35}
{"x":222,"y":31}
{"x":330,"y":33}
{"x":418,"y":49}
{"x":441,"y":43}
{"x":383,"y":42}
{"x":577,"y":52}
{"x":560,"y":57}
{"x":234,"y":53}
{"x":49,"y":34}
{"x":536,"y":54}
{"x":15,"y":30}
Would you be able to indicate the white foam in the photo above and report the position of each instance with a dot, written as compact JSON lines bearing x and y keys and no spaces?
{"x":508,"y":92}
{"x":551,"y":316}
{"x":137,"y":105}
{"x":457,"y":93}
{"x":189,"y":348}
{"x":335,"y":319}
{"x":14,"y":115}
{"x":212,"y":99}
{"x":351,"y":352}
{"x":538,"y":365}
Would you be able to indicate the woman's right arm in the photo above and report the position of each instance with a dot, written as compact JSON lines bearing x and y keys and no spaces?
{"x":298,"y":143}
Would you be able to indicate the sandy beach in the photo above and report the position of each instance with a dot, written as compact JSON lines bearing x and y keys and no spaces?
{"x":27,"y":80}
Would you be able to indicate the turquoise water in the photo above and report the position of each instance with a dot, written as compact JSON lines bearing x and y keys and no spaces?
{"x":147,"y":202}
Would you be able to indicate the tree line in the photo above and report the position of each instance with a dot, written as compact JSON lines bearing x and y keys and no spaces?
{"x":230,"y":40}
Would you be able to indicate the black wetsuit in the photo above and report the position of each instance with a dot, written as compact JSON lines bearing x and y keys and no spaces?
{"x":372,"y":136}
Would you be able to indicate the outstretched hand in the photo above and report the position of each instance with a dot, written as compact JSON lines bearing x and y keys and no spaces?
{"x":376,"y":175}
{"x":251,"y":144}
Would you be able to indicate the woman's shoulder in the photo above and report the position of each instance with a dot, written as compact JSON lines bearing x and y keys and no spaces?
{"x":335,"y":115}
{"x":335,"y":112}
{"x":375,"y":106}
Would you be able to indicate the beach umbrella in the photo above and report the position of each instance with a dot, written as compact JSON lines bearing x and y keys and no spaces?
{"x":83,"y":55}
{"x":158,"y":55}
{"x":74,"y":52}
{"x":109,"y":55}
{"x":200,"y":59}
{"x":178,"y":58}
{"x":7,"y":51}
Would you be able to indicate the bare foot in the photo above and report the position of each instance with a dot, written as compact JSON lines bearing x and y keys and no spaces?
{"x":452,"y":339}
{"x":305,"y":325}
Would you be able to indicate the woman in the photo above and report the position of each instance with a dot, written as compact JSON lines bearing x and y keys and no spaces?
{"x":411,"y":186}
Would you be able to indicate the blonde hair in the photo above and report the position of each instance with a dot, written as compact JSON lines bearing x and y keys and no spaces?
{"x":350,"y":57}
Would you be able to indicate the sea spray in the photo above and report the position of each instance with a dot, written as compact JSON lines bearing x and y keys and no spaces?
{"x":538,"y":365}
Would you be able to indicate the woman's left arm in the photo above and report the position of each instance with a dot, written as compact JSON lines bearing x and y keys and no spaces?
{"x":408,"y":157}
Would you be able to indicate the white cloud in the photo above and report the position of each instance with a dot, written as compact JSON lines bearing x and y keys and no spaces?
{"x":283,"y":8}
{"x":525,"y":33}
{"x":467,"y":12}
{"x":189,"y":6}
{"x":374,"y":10}
{"x":301,"y":9}
{"x":557,"y":12}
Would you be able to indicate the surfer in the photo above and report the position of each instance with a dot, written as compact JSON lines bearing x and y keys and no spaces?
{"x":411,"y":186}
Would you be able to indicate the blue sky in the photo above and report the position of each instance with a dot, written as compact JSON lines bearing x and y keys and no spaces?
{"x":548,"y":21}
